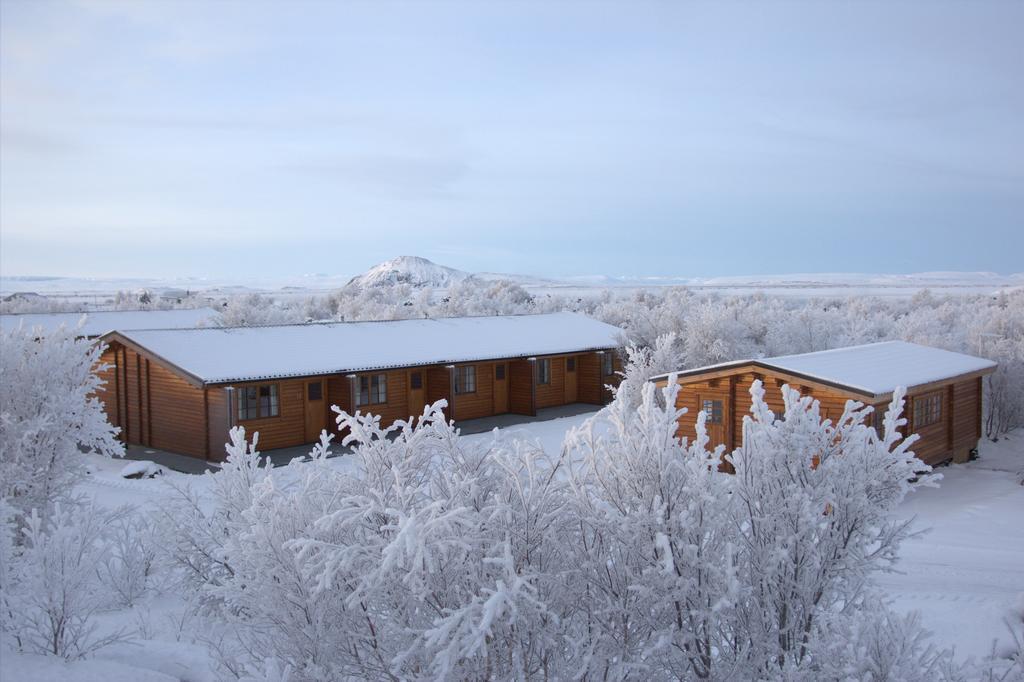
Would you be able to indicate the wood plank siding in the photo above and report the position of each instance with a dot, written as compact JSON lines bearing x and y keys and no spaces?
{"x":158,"y":406}
{"x":955,"y":433}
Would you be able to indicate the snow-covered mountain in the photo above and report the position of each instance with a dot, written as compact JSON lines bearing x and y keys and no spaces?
{"x":412,"y":270}
{"x":426,"y":274}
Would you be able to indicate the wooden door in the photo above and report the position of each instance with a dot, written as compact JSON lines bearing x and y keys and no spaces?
{"x":416,"y":381}
{"x":716,"y":405}
{"x":316,"y":410}
{"x":571,"y":386}
{"x":500,"y":387}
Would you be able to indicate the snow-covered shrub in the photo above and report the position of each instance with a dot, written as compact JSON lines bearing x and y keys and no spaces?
{"x":49,"y":415}
{"x":129,"y":560}
{"x":653,"y":557}
{"x":688,"y":572}
{"x":53,"y":590}
{"x":628,"y":554}
{"x":642,"y":363}
{"x":190,"y":534}
{"x":814,"y":502}
{"x":434,"y":559}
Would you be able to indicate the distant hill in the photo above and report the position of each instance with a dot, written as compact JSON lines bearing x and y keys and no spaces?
{"x":422,"y":273}
{"x":412,"y":270}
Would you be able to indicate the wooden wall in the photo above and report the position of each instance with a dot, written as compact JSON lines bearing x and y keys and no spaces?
{"x":591,"y":384}
{"x":437,"y":385}
{"x":521,"y":397}
{"x":339,"y":392}
{"x":178,"y":421}
{"x":107,"y":393}
{"x":219,"y":421}
{"x":552,"y":393}
{"x":481,"y":402}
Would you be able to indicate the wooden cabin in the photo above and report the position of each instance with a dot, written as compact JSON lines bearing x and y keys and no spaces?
{"x":96,"y":323}
{"x":182,"y":390}
{"x":943,"y":402}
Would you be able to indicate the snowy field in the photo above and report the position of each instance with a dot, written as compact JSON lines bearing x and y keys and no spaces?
{"x":962,"y":574}
{"x":97,"y":292}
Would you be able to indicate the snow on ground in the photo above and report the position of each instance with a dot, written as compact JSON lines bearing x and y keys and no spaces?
{"x":963,"y":575}
{"x":967,"y":571}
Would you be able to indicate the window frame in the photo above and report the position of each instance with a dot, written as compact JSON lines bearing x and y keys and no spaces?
{"x":543,"y":371}
{"x":499,"y":371}
{"x":465,"y":380}
{"x":711,"y":412}
{"x":570,"y":364}
{"x":607,"y":364}
{"x":927,"y":409}
{"x":373,"y":397}
{"x":416,"y":377}
{"x":274,"y":397}
{"x":320,"y":390}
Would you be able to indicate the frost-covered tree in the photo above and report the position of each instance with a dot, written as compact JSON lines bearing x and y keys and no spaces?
{"x":642,"y":363}
{"x":815,"y":500}
{"x":49,"y":415}
{"x":654,"y":567}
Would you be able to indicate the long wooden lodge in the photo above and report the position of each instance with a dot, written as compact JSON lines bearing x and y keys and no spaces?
{"x":943,"y":402}
{"x":181,"y":390}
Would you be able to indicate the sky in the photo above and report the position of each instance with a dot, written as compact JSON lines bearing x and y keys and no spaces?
{"x":250,"y":139}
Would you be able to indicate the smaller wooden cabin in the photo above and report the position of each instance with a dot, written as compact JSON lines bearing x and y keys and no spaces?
{"x":182,"y":390}
{"x":943,"y":402}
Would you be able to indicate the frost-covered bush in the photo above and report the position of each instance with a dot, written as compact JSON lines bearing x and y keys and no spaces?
{"x":689,"y":572}
{"x":642,"y":363}
{"x":630,"y":553}
{"x":435,"y":559}
{"x":130,"y":558}
{"x":53,"y":590}
{"x":49,"y":415}
{"x":190,"y":534}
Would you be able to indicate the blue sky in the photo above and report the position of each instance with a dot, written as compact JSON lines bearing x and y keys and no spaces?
{"x":234,"y":139}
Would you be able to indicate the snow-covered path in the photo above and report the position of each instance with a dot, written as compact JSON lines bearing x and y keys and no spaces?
{"x":967,"y":571}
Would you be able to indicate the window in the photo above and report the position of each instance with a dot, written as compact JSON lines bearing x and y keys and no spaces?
{"x":465,"y":379}
{"x":257,"y":402}
{"x":606,"y":364}
{"x":927,"y":410}
{"x":878,"y":420}
{"x":570,"y":364}
{"x":268,"y":400}
{"x":416,"y":381}
{"x":247,"y":407}
{"x":314,"y":391}
{"x":544,"y":371}
{"x":499,"y":372}
{"x":713,"y":408}
{"x":373,"y":390}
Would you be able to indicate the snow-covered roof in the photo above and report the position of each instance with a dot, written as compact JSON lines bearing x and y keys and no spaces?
{"x":222,"y":355}
{"x":874,"y":368}
{"x":98,"y":323}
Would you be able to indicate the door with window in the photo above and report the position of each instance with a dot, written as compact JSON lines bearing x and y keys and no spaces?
{"x":316,"y":410}
{"x":571,"y":390}
{"x":716,"y":405}
{"x":500,"y":387}
{"x":416,"y":379}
